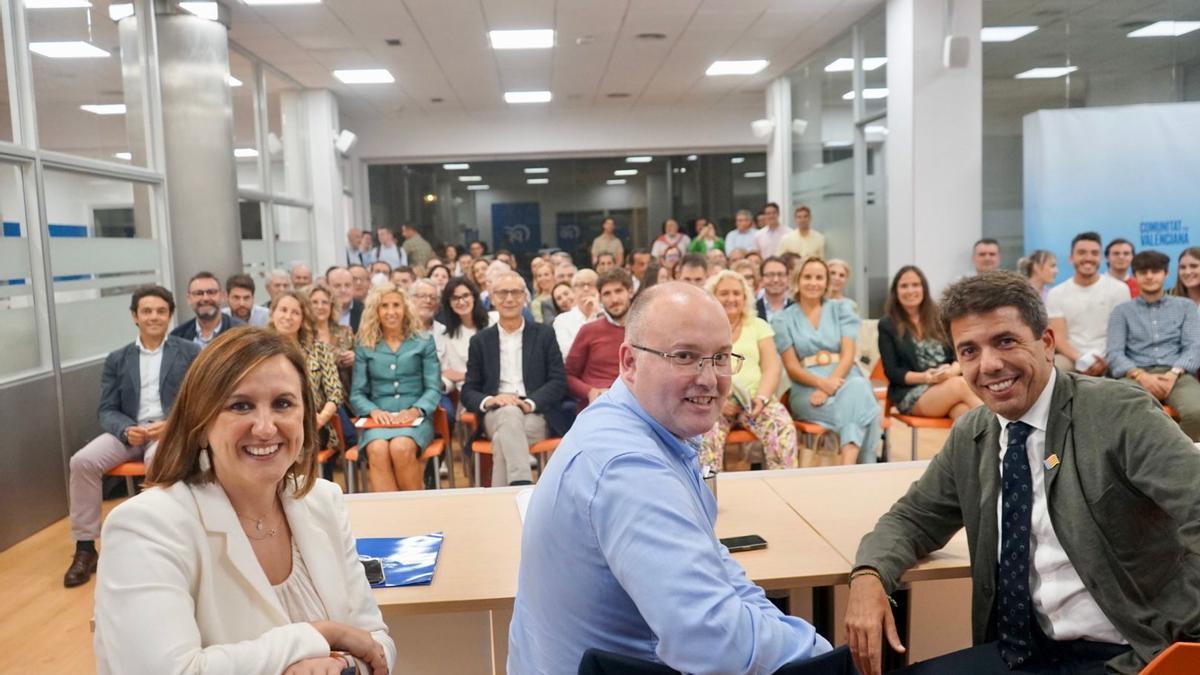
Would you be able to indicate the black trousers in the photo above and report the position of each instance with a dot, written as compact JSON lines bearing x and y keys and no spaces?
{"x":1076,"y":657}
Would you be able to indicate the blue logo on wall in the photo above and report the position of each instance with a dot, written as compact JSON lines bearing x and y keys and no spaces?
{"x":517,"y":227}
{"x":1163,"y":233}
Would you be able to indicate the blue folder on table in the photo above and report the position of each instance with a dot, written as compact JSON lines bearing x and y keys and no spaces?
{"x":407,"y":561}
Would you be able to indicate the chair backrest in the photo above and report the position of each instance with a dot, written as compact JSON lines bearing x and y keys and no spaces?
{"x":441,"y":424}
{"x":1181,"y":658}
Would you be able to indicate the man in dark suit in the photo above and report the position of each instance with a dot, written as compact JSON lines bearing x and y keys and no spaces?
{"x":204,"y":297}
{"x":342,"y":283}
{"x":515,"y":381}
{"x":139,"y":386}
{"x":1079,"y":500}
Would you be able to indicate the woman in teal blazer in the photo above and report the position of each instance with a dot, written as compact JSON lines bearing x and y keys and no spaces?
{"x":397,"y":379}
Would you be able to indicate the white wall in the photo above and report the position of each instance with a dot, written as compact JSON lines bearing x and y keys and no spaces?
{"x":528,"y":131}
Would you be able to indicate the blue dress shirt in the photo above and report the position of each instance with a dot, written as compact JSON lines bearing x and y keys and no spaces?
{"x":619,"y":553}
{"x":1162,"y":333}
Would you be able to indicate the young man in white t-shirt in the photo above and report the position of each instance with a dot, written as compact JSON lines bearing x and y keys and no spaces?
{"x":1079,"y":309}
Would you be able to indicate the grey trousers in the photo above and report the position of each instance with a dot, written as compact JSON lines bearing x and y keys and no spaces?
{"x":87,"y":471}
{"x":1185,"y":399}
{"x":512,"y":432}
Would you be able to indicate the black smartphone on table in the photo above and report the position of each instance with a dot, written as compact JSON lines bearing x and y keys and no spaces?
{"x":750,"y":542}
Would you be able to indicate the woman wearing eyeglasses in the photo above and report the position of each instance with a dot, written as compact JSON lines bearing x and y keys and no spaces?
{"x":465,"y":316}
{"x":816,"y":338}
{"x":751,"y":403}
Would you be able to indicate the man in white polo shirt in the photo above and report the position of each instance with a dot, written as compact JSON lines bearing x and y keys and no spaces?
{"x":1079,"y":309}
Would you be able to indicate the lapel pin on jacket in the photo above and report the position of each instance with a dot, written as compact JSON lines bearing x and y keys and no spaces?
{"x":1051,"y":461}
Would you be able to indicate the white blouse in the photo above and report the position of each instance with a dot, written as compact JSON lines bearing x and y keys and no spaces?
{"x":298,"y":595}
{"x":452,"y":352}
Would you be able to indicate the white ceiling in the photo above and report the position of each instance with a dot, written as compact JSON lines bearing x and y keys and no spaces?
{"x":445,"y":53}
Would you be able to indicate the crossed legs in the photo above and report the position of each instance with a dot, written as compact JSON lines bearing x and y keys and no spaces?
{"x":394,"y":464}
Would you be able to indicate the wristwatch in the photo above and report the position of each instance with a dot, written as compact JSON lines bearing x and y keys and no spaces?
{"x":351,"y":666}
{"x":1176,"y":371}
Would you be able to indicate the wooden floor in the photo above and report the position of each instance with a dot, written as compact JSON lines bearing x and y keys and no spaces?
{"x":45,"y":628}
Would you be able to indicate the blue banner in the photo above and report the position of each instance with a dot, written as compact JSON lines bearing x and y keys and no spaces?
{"x":517,"y":226}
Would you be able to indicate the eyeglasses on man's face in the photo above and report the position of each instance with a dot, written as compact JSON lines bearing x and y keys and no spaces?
{"x":724,"y":363}
{"x":505,"y":293}
{"x":202,"y":292}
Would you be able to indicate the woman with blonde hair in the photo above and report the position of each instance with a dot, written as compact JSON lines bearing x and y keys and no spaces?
{"x":1040,"y":268}
{"x":292,"y":317}
{"x":839,"y":274}
{"x":751,"y":402}
{"x":396,"y":381}
{"x":817,"y":338}
{"x":238,"y":558}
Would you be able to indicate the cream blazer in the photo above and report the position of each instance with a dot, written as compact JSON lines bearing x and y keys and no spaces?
{"x":180,"y":591}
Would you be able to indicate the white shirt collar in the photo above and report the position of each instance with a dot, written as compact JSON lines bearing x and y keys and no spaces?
{"x":518,"y":331}
{"x":149,"y":352}
{"x":1038,"y":415}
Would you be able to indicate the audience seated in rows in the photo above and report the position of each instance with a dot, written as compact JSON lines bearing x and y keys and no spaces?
{"x":137,"y":390}
{"x":292,"y":318}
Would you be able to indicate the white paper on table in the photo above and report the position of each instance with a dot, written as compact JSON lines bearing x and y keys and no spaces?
{"x":523,"y":498}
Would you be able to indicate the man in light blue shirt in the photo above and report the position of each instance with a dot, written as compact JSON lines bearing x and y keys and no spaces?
{"x":618,"y":550}
{"x":741,"y":238}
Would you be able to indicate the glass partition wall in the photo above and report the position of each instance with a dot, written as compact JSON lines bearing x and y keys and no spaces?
{"x":524,"y":205}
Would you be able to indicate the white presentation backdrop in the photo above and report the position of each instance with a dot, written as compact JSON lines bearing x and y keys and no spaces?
{"x":1123,"y":171}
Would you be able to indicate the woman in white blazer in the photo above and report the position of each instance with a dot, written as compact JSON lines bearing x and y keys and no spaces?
{"x":237,"y":560}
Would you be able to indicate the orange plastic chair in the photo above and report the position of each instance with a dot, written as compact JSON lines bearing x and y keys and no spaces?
{"x":540,"y":449}
{"x":1181,"y":658}
{"x":129,"y":471}
{"x":914,"y":422}
{"x":1171,"y":411}
{"x":815,"y":435}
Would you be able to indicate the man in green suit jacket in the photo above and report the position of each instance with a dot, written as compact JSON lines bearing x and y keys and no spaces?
{"x":1085,"y":556}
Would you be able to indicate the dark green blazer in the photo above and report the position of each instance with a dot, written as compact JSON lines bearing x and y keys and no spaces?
{"x":1124,"y":502}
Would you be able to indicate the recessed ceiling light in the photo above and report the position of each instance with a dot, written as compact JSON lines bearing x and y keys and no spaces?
{"x":455,"y":167}
{"x":527,"y":97}
{"x":846,"y":65}
{"x":755,"y":174}
{"x":538,"y":38}
{"x":838,"y":144}
{"x":120,"y":11}
{"x":1166,"y":29}
{"x":104,"y":108}
{"x":584,"y":40}
{"x":245,"y":153}
{"x":692,"y":158}
{"x":736,"y":160}
{"x":1045,"y":73}
{"x":478,"y":186}
{"x":364,"y":76}
{"x":537,"y":169}
{"x":1005,"y":33}
{"x":615,"y":181}
{"x":868,"y":93}
{"x":747,"y":67}
{"x":282,"y":2}
{"x":124,"y":155}
{"x":641,"y":159}
{"x":233,"y":81}
{"x":204,"y":10}
{"x":537,"y":181}
{"x":57,"y":4}
{"x":625,"y":172}
{"x":470,"y":179}
{"x":68,"y":50}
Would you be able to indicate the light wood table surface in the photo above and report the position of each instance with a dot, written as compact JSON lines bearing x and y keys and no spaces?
{"x":844,"y":503}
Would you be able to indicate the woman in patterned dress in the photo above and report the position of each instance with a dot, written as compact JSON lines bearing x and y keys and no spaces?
{"x":292,"y":317}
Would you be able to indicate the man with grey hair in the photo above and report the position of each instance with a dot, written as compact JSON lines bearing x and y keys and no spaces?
{"x":424,"y":296}
{"x":741,"y":238}
{"x":301,"y":276}
{"x":354,"y":256}
{"x":515,"y":382}
{"x":278,"y":281}
{"x":1079,"y":500}
{"x":587,"y":307}
{"x":622,"y":521}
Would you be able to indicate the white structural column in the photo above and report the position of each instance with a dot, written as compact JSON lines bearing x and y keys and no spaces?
{"x":934,"y":166}
{"x":779,"y":147}
{"x":320,"y":114}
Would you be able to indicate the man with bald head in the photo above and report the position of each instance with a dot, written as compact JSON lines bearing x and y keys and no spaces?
{"x":618,"y":550}
{"x":301,"y":276}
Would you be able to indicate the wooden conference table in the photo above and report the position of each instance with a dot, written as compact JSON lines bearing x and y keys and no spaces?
{"x":812,"y":520}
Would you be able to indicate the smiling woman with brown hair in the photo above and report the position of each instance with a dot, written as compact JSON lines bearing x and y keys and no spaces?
{"x":238,"y":559}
